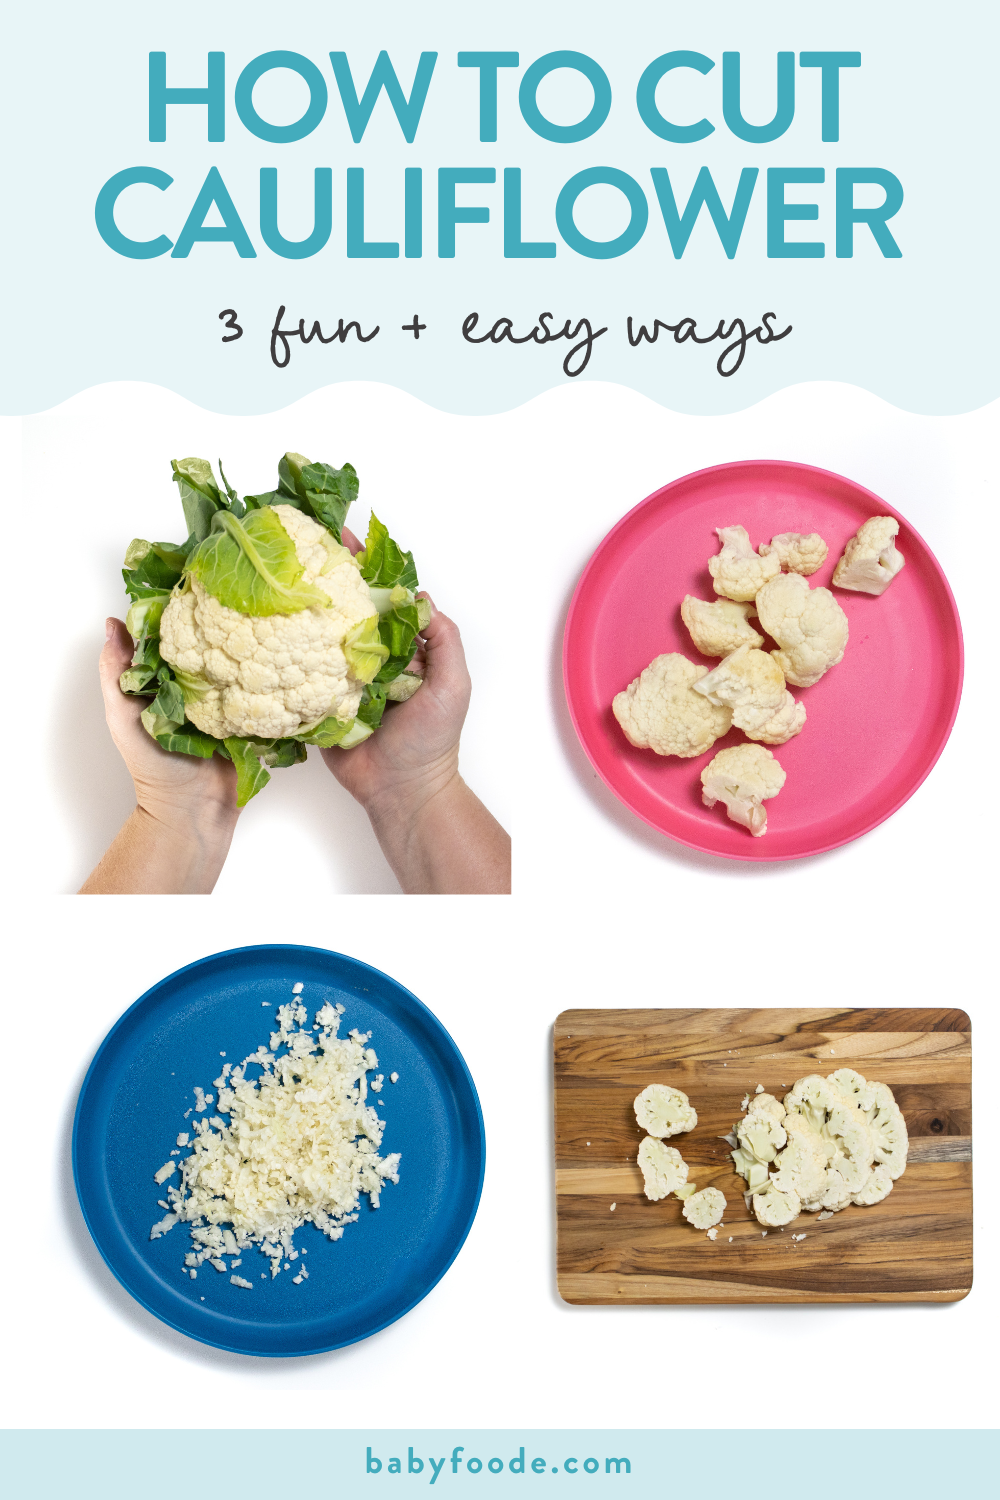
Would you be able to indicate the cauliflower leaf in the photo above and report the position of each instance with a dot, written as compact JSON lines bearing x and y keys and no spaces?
{"x":383,"y":562}
{"x":365,"y":650}
{"x":252,"y":566}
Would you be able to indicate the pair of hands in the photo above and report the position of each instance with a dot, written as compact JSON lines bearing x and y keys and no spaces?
{"x":413,"y":755}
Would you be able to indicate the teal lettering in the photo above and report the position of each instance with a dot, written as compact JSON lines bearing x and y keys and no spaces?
{"x":213,"y":191}
{"x":729,"y":227}
{"x":778,"y":211}
{"x":104,"y":213}
{"x":214,"y":96}
{"x":322,"y":215}
{"x":448,"y":214}
{"x":514,"y":248}
{"x":532,"y":115}
{"x":358,"y":248}
{"x":645,"y":97}
{"x":830,"y":64}
{"x":488,"y":64}
{"x":295,"y":63}
{"x":784,"y":108}
{"x":630,"y":235}
{"x":359,"y":111}
{"x":848,"y":215}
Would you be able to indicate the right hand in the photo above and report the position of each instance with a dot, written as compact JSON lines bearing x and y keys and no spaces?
{"x":172,"y":788}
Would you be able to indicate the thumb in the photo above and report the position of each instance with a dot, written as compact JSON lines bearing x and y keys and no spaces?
{"x":115,"y":657}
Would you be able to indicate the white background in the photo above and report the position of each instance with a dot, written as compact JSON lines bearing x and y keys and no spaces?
{"x":605,"y":912}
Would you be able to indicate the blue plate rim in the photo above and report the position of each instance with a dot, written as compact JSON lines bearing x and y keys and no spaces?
{"x":324,"y":953}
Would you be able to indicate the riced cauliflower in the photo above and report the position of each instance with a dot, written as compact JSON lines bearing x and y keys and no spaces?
{"x":797,"y":553}
{"x":705,"y":1208}
{"x":660,"y":712}
{"x":663,"y":1168}
{"x":751,"y":683}
{"x":743,"y":777}
{"x":834,"y":1141}
{"x":300,"y":1146}
{"x":870,"y":561}
{"x":808,"y":624}
{"x":719,"y":627}
{"x":664,"y":1111}
{"x":738,"y":571}
{"x":267,"y":677}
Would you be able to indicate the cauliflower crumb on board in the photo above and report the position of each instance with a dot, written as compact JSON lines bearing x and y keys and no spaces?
{"x":834,"y":1141}
{"x":300,"y":1146}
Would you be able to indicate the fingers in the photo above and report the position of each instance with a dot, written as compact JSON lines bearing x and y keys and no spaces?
{"x":115,"y":657}
{"x":351,"y":542}
{"x":443,"y":651}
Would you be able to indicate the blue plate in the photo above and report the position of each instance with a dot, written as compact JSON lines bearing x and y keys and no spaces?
{"x":132,"y":1106}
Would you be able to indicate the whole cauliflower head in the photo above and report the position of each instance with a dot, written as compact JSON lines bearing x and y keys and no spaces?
{"x":738,"y":571}
{"x":660,"y":712}
{"x":664,"y":1111}
{"x":705,"y":1208}
{"x":751,"y":683}
{"x":268,"y":676}
{"x":663,"y":1168}
{"x":870,"y":561}
{"x":719,"y":627}
{"x":808,"y":624}
{"x":797,"y":553}
{"x":743,"y":777}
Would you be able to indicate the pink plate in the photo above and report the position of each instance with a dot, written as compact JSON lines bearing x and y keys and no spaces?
{"x":876,"y":723}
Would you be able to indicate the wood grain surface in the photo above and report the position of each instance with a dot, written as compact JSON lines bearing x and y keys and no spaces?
{"x":914,"y":1246}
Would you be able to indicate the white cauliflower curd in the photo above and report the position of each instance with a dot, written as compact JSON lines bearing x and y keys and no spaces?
{"x":663,"y":1168}
{"x":664,"y":1111}
{"x":738,"y":571}
{"x":719,"y":627}
{"x":300,"y":1146}
{"x":870,"y":561}
{"x":704,"y":1208}
{"x":268,"y":676}
{"x":834,"y":1141}
{"x":751,"y":683}
{"x":659,"y":711}
{"x":743,"y":777}
{"x":808,"y":624}
{"x":797,"y":553}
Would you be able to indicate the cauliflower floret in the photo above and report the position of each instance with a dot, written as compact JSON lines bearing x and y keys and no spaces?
{"x":878,"y":1186}
{"x":808,"y":624}
{"x":663,"y":1168}
{"x":664,"y":1111}
{"x":659,"y":712}
{"x":269,"y":675}
{"x":761,"y":1136}
{"x":751,"y":683}
{"x":743,"y":777}
{"x":797,"y":553}
{"x":766,"y":1104}
{"x":775,"y":1207}
{"x":737,"y":571}
{"x":800,"y":1169}
{"x":705,"y":1208}
{"x":890,"y":1139}
{"x":870,"y":561}
{"x":720,"y":627}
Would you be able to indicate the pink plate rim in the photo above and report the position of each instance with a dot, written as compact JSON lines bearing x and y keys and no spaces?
{"x":754,"y":854}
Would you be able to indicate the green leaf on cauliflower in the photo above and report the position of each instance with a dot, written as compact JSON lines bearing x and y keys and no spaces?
{"x":251,"y":775}
{"x":383,"y":563}
{"x":326,"y":734}
{"x":372,"y":706}
{"x":252,"y":566}
{"x":365,"y":649}
{"x":169,"y":701}
{"x":147,"y":572}
{"x":200,"y":495}
{"x":183,"y":740}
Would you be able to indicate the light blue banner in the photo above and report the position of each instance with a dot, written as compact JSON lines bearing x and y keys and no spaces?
{"x":795,"y":192}
{"x":115,"y":1465}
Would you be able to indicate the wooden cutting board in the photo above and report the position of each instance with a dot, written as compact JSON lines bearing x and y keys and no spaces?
{"x":914,"y":1246}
